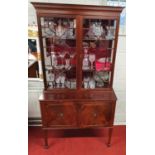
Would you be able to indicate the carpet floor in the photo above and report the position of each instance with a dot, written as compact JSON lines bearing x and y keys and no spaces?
{"x":77,"y":142}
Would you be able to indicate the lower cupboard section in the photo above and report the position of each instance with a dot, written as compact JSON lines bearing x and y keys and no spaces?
{"x":77,"y":114}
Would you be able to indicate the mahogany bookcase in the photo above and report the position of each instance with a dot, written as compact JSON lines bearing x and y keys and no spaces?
{"x":78,"y":48}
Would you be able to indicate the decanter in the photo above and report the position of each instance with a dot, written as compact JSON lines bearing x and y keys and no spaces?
{"x":85,"y":64}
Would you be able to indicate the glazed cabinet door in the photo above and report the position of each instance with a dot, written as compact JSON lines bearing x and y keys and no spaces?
{"x":58,"y":114}
{"x":59,"y":51}
{"x":96,"y":114}
{"x":99,"y":39}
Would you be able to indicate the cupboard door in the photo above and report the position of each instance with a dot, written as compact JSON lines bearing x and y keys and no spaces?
{"x":58,"y":37}
{"x":95,"y":114}
{"x":59,"y":114}
{"x":98,"y":48}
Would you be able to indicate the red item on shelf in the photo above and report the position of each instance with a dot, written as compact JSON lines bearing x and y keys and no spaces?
{"x":99,"y":65}
{"x":107,"y":66}
{"x":102,"y":66}
{"x":100,"y":52}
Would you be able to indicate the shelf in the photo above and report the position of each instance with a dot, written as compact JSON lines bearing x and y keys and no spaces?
{"x":94,"y":70}
{"x":48,"y":37}
{"x":54,"y":30}
{"x":50,"y":68}
{"x":50,"y":47}
{"x":99,"y":39}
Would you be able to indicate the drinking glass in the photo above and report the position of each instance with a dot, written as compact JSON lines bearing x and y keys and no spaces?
{"x":86,"y":82}
{"x":62,"y":80}
{"x":67,"y":65}
{"x":58,"y":81}
{"x":72,"y":55}
{"x":62,"y":55}
{"x":91,"y":59}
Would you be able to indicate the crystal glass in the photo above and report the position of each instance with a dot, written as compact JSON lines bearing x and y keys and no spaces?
{"x":59,"y":29}
{"x":91,"y":59}
{"x":110,"y":32}
{"x":85,"y":65}
{"x":73,"y":83}
{"x":92,"y":83}
{"x":98,"y":29}
{"x":53,"y":59}
{"x":58,"y":81}
{"x":62,"y":80}
{"x":51,"y":76}
{"x":85,"y":51}
{"x":67,"y":65}
{"x":86,"y":82}
{"x":62,"y":55}
{"x":72,"y":55}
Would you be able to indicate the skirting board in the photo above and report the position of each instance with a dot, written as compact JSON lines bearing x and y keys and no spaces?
{"x":36,"y":121}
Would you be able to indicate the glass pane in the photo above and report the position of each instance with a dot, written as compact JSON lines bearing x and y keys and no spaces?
{"x":98,"y":46}
{"x":59,"y":45}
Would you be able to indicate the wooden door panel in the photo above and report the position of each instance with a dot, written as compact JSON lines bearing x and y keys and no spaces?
{"x":95,"y":114}
{"x":63,"y":114}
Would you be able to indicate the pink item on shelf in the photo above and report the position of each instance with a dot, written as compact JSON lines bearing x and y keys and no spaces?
{"x":102,"y":66}
{"x":99,"y":65}
{"x":107,"y":66}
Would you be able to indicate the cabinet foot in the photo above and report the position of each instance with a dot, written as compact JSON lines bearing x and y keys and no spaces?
{"x":46,"y":146}
{"x":109,"y":144}
{"x":45,"y":139}
{"x":109,"y":136}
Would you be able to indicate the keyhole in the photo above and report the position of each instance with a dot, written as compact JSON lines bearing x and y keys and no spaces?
{"x":95,"y":114}
{"x":61,"y":114}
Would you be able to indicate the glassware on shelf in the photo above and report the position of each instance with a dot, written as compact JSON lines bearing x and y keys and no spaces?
{"x":91,"y":31}
{"x":67,"y":84}
{"x":110,"y":32}
{"x":85,"y":50}
{"x":86,"y":82}
{"x":54,"y":61}
{"x":62,"y":55}
{"x":100,"y":84}
{"x":92,"y":83}
{"x":51,"y":78}
{"x":101,"y":78}
{"x":73,"y":83}
{"x":71,"y":24}
{"x":42,"y":21}
{"x":62,"y":80}
{"x":91,"y":59}
{"x":98,"y":29}
{"x":67,"y":65}
{"x":105,"y":76}
{"x":65,"y":23}
{"x":72,"y":55}
{"x":58,"y":81}
{"x":51,"y":25}
{"x":70,"y":34}
{"x":85,"y":64}
{"x":60,"y":30}
{"x":45,"y":24}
